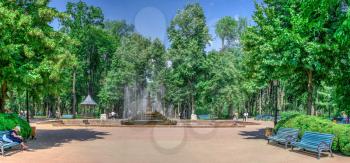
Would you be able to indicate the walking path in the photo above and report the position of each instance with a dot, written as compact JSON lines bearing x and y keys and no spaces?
{"x":142,"y":145}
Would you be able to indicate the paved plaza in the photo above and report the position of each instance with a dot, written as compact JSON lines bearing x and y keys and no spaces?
{"x":158,"y":144}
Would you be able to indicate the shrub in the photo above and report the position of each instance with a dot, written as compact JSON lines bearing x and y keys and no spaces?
{"x":304,"y":123}
{"x":9,"y":121}
{"x":288,"y":115}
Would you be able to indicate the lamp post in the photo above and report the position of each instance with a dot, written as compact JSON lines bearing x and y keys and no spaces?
{"x":275,"y":85}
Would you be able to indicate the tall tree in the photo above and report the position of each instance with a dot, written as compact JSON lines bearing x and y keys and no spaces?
{"x":188,"y":35}
{"x":225,"y":28}
{"x":341,"y":71}
{"x":135,"y":61}
{"x":296,"y":37}
{"x":30,"y":49}
{"x":230,"y":30}
{"x":96,"y":47}
{"x":221,"y":91}
{"x":119,"y":28}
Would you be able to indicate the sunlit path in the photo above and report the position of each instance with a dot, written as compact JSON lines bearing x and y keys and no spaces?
{"x":76,"y":144}
{"x":174,"y":81}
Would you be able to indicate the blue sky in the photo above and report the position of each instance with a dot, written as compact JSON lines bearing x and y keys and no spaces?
{"x":152,"y":17}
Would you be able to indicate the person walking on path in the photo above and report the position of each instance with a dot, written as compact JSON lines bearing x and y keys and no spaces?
{"x":245,"y":116}
{"x":113,"y":115}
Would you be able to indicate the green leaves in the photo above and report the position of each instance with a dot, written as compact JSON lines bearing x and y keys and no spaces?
{"x":31,"y":51}
{"x":230,"y":30}
{"x":28,"y":52}
{"x":188,"y":35}
{"x":293,"y":37}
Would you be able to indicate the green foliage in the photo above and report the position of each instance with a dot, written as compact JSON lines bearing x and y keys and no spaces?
{"x":188,"y":35}
{"x":288,"y":115}
{"x":33,"y":54}
{"x":302,"y":44}
{"x":297,"y":42}
{"x":95,"y":50}
{"x":230,"y":30}
{"x":135,"y":60}
{"x":312,"y":123}
{"x":119,"y":28}
{"x":210,"y":81}
{"x":10,"y":121}
{"x":220,"y":90}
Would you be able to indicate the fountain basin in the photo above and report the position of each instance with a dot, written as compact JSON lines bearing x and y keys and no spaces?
{"x":149,"y":118}
{"x":148,"y":122}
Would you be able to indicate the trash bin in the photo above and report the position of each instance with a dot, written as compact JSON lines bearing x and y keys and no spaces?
{"x":268,"y":131}
{"x":33,"y":133}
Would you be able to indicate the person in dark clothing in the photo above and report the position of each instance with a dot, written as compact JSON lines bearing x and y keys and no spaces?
{"x":15,"y":137}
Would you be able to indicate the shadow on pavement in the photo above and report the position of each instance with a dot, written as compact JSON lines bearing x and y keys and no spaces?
{"x":308,"y":153}
{"x":13,"y":151}
{"x":54,"y":138}
{"x":258,"y":134}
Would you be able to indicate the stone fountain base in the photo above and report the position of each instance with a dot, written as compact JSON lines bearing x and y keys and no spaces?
{"x":149,"y":118}
{"x":152,"y":123}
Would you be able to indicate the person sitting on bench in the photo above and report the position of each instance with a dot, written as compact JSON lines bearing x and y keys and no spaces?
{"x":17,"y":138}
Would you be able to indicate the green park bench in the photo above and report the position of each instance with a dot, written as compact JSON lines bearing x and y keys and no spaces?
{"x":5,"y":145}
{"x":315,"y":142}
{"x":285,"y":136}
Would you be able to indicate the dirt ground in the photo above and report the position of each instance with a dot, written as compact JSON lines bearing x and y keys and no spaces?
{"x":153,"y":145}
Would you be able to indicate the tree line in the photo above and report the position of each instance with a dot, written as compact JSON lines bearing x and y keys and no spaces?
{"x":294,"y":56}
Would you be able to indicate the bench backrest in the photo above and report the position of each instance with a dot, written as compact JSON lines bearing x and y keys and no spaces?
{"x":284,"y":132}
{"x":315,"y":138}
{"x":3,"y":133}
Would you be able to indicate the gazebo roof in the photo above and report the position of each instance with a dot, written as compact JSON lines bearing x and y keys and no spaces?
{"x":88,"y":101}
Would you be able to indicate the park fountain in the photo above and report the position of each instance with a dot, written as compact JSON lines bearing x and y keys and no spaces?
{"x":144,"y":106}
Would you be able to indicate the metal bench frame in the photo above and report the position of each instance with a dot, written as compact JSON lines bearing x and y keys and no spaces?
{"x":284,"y":135}
{"x":321,"y":147}
{"x":3,"y":143}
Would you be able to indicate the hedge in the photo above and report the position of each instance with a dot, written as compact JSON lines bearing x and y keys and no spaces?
{"x":9,"y":121}
{"x":304,"y":123}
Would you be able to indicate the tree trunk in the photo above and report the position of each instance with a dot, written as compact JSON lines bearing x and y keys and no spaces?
{"x":270,"y":94}
{"x":47,"y":107}
{"x":27,"y":105}
{"x":3,"y":96}
{"x":260,"y":102}
{"x":32,"y":110}
{"x":275,"y":95}
{"x":310,"y":108}
{"x":178,"y":116}
{"x":74,"y":95}
{"x":316,"y":109}
{"x":282,"y":99}
{"x":192,"y":104}
{"x":222,"y":44}
{"x":58,"y":115}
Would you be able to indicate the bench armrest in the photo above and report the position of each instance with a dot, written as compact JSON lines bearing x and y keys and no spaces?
{"x":323,"y":145}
